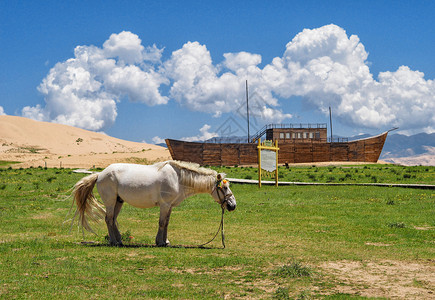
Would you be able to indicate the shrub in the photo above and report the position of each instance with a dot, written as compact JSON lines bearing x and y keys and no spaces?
{"x":330,"y":178}
{"x":281,"y":293}
{"x":397,"y":225}
{"x":295,"y":269}
{"x":50,"y":179}
{"x":36,"y":185}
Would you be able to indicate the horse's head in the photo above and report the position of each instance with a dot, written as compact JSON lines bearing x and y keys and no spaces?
{"x":222,"y":193}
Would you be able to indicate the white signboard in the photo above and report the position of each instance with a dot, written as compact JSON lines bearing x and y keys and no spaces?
{"x":268,"y":160}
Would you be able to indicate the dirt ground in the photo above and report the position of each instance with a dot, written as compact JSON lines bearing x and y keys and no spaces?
{"x":390,"y":279}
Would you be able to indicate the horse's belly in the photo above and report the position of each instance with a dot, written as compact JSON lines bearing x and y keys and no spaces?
{"x":141,"y":200}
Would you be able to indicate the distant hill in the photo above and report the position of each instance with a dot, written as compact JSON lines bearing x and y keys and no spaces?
{"x":418,"y":149}
{"x":399,"y":145}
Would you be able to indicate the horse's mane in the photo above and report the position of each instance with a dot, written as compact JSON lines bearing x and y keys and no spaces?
{"x":192,"y":174}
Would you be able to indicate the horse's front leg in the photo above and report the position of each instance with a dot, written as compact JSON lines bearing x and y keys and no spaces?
{"x":162,"y":234}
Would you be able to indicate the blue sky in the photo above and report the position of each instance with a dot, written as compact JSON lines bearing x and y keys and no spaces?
{"x":148,"y":70}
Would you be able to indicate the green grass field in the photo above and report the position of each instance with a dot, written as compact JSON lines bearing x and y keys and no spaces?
{"x":343,"y":174}
{"x":292,"y":242}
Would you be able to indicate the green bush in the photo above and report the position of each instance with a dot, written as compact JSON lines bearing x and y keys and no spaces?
{"x":293,"y":270}
{"x":281,"y":293}
{"x":397,"y":225}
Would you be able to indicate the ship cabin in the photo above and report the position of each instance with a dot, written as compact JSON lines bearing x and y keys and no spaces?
{"x":296,"y":133}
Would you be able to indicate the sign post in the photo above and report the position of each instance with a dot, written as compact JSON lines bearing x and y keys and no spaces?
{"x":267,"y":159}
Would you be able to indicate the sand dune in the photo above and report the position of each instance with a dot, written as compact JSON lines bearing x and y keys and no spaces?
{"x":36,"y":143}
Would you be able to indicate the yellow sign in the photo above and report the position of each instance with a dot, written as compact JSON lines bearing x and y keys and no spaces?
{"x":267,"y":159}
{"x":268,"y":143}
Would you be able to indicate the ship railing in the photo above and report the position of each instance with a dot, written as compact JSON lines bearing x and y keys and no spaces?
{"x":263,"y":130}
{"x":314,"y":140}
{"x":227,"y":140}
{"x":243,"y":140}
{"x":296,"y":125}
{"x":338,"y":140}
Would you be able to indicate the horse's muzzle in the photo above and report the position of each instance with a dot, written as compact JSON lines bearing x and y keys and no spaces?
{"x":231,"y":206}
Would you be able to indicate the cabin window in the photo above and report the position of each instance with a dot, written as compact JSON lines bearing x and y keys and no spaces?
{"x":305,"y":135}
{"x":299,"y":135}
{"x":287,"y":135}
{"x":311,"y":135}
{"x":293,"y":135}
{"x":317,"y":135}
{"x":281,"y":135}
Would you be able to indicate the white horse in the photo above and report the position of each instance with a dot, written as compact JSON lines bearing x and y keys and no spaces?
{"x":164,"y":184}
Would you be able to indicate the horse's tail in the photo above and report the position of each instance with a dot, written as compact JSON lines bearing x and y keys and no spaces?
{"x":88,"y":206}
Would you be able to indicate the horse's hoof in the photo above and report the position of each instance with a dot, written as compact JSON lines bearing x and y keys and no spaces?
{"x":167,"y":244}
{"x":120,"y":244}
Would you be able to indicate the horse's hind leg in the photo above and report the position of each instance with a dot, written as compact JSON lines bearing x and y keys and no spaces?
{"x":112,"y":210}
{"x":111,"y":215}
{"x":118,"y":206}
{"x":109,"y":195}
{"x":110,"y":222}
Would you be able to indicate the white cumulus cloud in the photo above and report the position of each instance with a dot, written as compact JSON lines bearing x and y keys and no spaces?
{"x":158,"y":140}
{"x":2,"y":111}
{"x":325,"y":66}
{"x":329,"y":68}
{"x":83,"y":91}
{"x":201,"y":85}
{"x":204,"y":135}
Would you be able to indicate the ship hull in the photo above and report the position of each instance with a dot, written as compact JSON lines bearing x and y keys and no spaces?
{"x":231,"y":154}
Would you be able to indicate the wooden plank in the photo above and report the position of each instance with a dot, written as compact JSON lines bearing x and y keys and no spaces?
{"x":339,"y":152}
{"x":303,"y":153}
{"x":248,"y":154}
{"x":321,"y":152}
{"x":356,"y":151}
{"x":193,"y":152}
{"x":286,"y":153}
{"x":230,"y":155}
{"x":212,"y":154}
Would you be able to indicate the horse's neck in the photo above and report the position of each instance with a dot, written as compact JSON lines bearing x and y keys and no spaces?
{"x":200,"y":186}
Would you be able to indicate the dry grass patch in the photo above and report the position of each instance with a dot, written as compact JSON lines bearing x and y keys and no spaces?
{"x":391,"y":279}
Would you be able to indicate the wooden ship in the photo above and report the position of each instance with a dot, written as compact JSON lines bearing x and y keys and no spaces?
{"x":298,"y":143}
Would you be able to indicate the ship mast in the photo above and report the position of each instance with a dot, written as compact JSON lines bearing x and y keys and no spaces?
{"x":247,"y":109}
{"x":330,"y":122}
